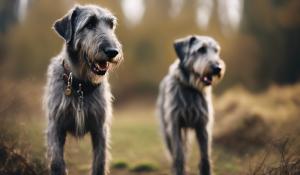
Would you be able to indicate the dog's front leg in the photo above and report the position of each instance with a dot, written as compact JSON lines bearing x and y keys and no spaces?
{"x":56,"y":139}
{"x":178,"y":151}
{"x":204,"y":141}
{"x":99,"y":139}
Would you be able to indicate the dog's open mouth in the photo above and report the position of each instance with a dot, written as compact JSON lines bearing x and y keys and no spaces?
{"x":100,"y":68}
{"x":207,"y":79}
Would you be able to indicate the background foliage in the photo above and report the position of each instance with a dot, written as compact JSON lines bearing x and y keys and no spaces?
{"x":264,"y":50}
{"x":257,"y":105}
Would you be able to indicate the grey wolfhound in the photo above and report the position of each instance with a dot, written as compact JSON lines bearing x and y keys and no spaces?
{"x":184,"y":100}
{"x":77,"y":97}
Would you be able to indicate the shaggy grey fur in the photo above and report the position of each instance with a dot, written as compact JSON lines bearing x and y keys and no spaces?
{"x":184,"y":100}
{"x":90,"y":42}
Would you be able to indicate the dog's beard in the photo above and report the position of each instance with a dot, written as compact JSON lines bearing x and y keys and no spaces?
{"x":91,"y":72}
{"x":203,"y":76}
{"x":94,"y":78}
{"x":96,"y":71}
{"x":93,"y":63}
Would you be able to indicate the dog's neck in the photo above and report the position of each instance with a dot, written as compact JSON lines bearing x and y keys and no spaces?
{"x":72,"y":58}
{"x":74,"y":84}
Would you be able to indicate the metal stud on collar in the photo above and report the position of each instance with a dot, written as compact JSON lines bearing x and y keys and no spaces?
{"x":68,"y":90}
{"x":80,"y":93}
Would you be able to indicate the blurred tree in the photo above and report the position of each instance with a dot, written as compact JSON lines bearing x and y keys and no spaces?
{"x":7,"y":17}
{"x":276,"y":27}
{"x":265,"y":51}
{"x":8,"y":13}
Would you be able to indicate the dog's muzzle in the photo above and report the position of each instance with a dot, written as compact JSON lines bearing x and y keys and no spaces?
{"x":101,"y":66}
{"x":215,"y":71}
{"x":111,"y":53}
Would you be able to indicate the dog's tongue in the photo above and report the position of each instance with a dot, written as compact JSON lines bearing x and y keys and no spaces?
{"x":207,"y":80}
{"x":102,"y":66}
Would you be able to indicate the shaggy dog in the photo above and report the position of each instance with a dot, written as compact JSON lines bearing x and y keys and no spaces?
{"x":77,"y":96}
{"x":184,"y":100}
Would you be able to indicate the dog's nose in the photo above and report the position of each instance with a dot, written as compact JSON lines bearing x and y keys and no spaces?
{"x":111,"y":52}
{"x":216,"y":69}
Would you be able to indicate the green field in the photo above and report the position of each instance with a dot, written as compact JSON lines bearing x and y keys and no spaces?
{"x":136,"y":145}
{"x":243,"y":134}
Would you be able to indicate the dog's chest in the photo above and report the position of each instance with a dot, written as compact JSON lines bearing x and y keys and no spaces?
{"x":192,"y":107}
{"x":93,"y":112}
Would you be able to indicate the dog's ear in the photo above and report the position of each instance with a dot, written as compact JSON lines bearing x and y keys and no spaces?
{"x":182,"y":46}
{"x":64,"y":25}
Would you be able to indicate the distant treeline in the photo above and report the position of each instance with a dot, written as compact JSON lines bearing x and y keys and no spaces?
{"x":264,"y":51}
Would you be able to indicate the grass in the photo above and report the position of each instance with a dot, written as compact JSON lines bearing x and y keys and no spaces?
{"x":135,"y":141}
{"x":119,"y":165}
{"x":246,"y":124}
{"x":135,"y":137}
{"x":144,"y":167}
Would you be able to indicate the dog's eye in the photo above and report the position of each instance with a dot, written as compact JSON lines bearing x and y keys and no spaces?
{"x":110,"y":23}
{"x":91,"y":23}
{"x":202,"y":50}
{"x":215,"y":50}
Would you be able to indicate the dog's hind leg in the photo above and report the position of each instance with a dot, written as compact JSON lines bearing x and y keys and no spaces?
{"x":56,"y":139}
{"x":204,"y":142}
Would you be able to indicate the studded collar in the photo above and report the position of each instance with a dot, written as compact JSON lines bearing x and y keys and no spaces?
{"x":75,"y":86}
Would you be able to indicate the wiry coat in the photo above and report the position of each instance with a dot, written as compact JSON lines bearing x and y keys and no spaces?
{"x":91,"y":49}
{"x":184,"y":100}
{"x":96,"y":104}
{"x":62,"y":115}
{"x":62,"y":109}
{"x":183,"y":107}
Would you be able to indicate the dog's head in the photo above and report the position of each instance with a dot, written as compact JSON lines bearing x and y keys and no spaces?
{"x":93,"y":48}
{"x":199,"y":56}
